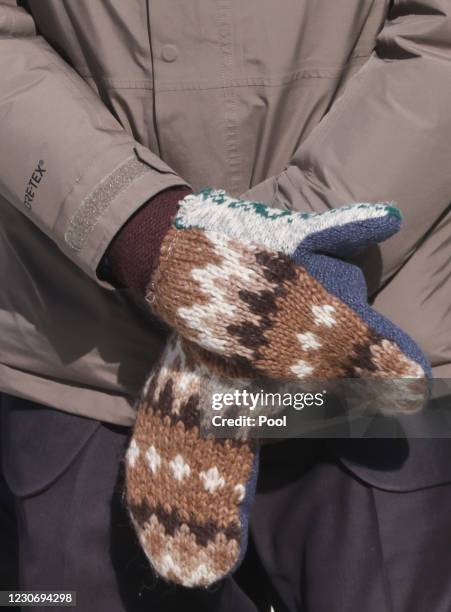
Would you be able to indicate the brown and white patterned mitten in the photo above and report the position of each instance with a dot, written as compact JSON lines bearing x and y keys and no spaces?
{"x":189,"y":496}
{"x":268,"y":290}
{"x":263,"y":293}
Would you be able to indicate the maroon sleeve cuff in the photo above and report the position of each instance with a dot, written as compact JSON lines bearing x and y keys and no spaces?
{"x":133,"y":254}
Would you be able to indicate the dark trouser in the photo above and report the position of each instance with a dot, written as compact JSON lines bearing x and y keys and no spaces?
{"x":9,"y":576}
{"x":337,"y":527}
{"x":65,"y":474}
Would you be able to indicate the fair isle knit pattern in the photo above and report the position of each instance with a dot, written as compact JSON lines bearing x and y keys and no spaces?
{"x":263,"y":312}
{"x":252,"y":292}
{"x":187,"y":495}
{"x":278,"y":230}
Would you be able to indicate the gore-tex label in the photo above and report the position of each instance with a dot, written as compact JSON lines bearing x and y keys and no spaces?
{"x":33,"y":184}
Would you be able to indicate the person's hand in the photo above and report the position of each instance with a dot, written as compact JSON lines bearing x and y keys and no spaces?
{"x":266,"y":289}
{"x":281,"y":304}
{"x":188,"y":495}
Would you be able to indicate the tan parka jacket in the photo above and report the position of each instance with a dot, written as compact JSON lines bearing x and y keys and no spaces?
{"x":309,"y":104}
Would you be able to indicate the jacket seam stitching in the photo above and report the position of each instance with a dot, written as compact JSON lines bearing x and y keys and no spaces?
{"x":230,"y":118}
{"x":269,"y":80}
{"x":256,"y":81}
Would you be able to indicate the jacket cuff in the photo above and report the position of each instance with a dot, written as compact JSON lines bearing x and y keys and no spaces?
{"x":129,"y":177}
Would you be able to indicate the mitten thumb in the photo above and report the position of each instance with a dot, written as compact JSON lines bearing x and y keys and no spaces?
{"x":349,"y":229}
{"x":337,"y":232}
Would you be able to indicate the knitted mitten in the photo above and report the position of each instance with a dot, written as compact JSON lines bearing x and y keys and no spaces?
{"x":264,"y":289}
{"x":189,"y":496}
{"x":278,"y":304}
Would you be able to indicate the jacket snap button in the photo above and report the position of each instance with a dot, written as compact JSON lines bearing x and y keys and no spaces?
{"x":169,"y":53}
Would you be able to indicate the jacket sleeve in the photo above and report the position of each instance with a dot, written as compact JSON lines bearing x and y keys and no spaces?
{"x":65,"y":162}
{"x":388,"y":135}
